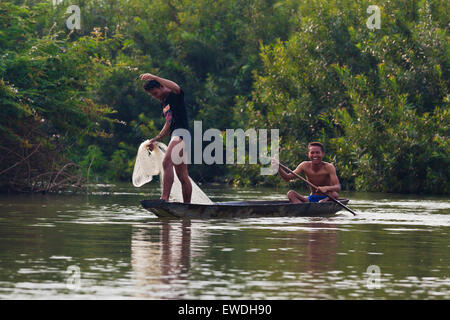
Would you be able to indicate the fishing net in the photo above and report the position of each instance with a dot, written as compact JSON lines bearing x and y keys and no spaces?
{"x":149,"y":163}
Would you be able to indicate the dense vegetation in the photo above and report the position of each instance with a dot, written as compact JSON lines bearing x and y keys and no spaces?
{"x":71,"y":109}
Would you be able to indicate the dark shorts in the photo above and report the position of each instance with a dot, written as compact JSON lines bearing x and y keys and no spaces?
{"x":315,"y":198}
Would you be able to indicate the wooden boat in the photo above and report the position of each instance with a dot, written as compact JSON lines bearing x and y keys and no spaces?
{"x":241,"y":209}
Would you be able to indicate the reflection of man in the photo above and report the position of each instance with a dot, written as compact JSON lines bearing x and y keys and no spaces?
{"x":164,"y":259}
{"x":174,"y":111}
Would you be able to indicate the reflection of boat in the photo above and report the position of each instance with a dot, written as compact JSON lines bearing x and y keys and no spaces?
{"x":241,"y":209}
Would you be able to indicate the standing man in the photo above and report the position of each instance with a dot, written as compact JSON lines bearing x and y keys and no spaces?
{"x":320,"y":173}
{"x":174,"y":111}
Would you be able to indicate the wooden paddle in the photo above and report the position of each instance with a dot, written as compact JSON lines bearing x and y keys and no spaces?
{"x":315,"y":188}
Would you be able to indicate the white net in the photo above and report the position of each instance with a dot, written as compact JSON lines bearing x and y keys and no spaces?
{"x":149,"y":163}
{"x":146,"y":165}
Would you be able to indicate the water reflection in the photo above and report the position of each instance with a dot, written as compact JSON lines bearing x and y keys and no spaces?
{"x":169,"y":259}
{"x":160,"y":258}
{"x":123,"y":251}
{"x":321,"y":248}
{"x":175,"y":250}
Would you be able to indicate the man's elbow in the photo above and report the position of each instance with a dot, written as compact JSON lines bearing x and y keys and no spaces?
{"x":176,"y":89}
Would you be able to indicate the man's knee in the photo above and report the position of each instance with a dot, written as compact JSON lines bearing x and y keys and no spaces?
{"x":291,"y":193}
{"x":334,"y":194}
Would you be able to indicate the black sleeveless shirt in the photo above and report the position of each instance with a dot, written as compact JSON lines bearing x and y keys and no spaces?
{"x":174,"y":111}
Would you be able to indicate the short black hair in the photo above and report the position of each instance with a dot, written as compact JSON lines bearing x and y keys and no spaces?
{"x":150,"y":84}
{"x":317,"y":144}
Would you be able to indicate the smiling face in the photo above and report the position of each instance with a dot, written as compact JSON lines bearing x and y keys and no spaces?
{"x":315,"y":154}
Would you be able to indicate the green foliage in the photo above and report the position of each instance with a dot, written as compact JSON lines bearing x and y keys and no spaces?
{"x":388,"y":146}
{"x":46,"y":103}
{"x":118,"y":166}
{"x":377,"y":99}
{"x":93,"y":162}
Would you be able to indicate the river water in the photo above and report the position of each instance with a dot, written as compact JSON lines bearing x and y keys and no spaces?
{"x":105,"y":246}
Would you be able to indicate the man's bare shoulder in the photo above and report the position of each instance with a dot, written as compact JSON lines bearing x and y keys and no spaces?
{"x":302,"y":166}
{"x":328,"y":165}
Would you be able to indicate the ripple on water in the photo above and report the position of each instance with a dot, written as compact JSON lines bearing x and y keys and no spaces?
{"x":256,"y":258}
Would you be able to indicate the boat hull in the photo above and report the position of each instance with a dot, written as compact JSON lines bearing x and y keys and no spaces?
{"x":241,"y":209}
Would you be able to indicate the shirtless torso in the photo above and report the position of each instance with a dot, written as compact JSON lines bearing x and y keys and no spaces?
{"x":323,"y":174}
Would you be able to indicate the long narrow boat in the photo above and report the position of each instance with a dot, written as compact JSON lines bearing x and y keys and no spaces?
{"x":241,"y":209}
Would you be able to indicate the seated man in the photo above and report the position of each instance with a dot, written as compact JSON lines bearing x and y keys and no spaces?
{"x":319,"y":173}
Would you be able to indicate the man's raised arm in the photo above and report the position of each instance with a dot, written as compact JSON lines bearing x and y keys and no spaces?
{"x":164,"y":82}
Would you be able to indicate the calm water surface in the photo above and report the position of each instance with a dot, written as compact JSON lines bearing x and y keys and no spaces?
{"x":105,"y":246}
